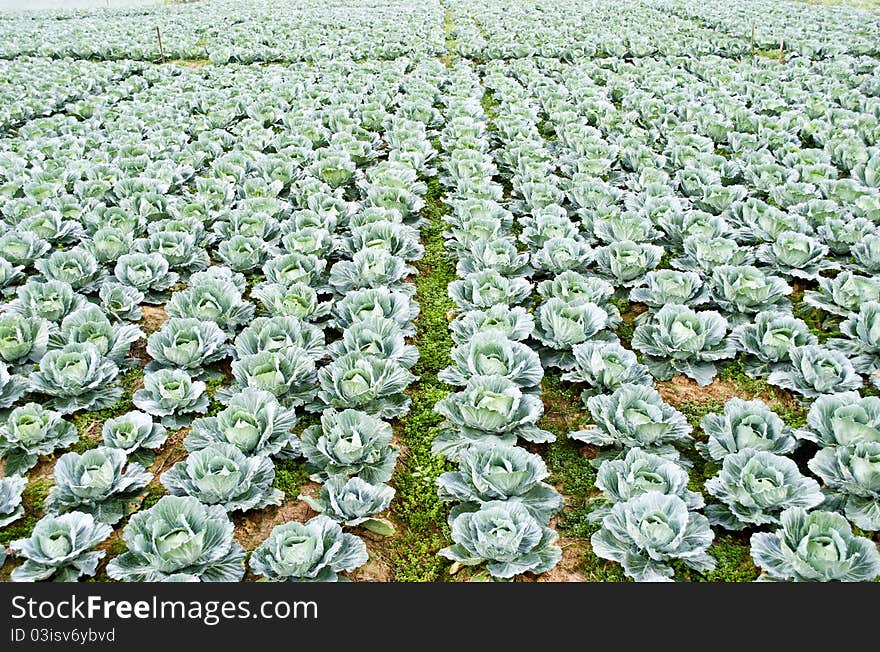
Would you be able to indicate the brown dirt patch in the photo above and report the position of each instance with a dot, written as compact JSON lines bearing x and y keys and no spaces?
{"x":251,"y":529}
{"x":681,"y":389}
{"x":567,"y":568}
{"x":153,"y":318}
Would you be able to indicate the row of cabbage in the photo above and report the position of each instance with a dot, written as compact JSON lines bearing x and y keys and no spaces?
{"x":319,"y":235}
{"x":755,"y":484}
{"x":230,"y":31}
{"x":32,"y":87}
{"x":503,"y":29}
{"x":502,"y":506}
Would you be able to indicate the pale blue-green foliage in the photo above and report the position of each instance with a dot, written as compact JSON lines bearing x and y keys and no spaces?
{"x":187,"y":343}
{"x":815,"y":546}
{"x":559,"y":255}
{"x":148,"y":273}
{"x":77,"y":377}
{"x":12,"y":387}
{"x":646,"y":533}
{"x":60,"y":548}
{"x":605,"y":366}
{"x":559,"y":326}
{"x":31,"y":431}
{"x":852,"y":476}
{"x":287,"y":373}
{"x":314,"y":551}
{"x":816,"y":370}
{"x":866,"y":255}
{"x":667,"y":286}
{"x":754,"y":487}
{"x":220,"y":474}
{"x":91,"y":325}
{"x":745,"y":424}
{"x":179,"y":535}
{"x":488,"y":472}
{"x":11,"y":508}
{"x":49,"y":300}
{"x":173,"y":395}
{"x":135,"y":434}
{"x":768,"y":339}
{"x":296,"y":300}
{"x":861,"y":341}
{"x":638,"y":473}
{"x":352,"y":502}
{"x":378,"y":302}
{"x":278,"y":333}
{"x":505,"y":537}
{"x":703,"y":253}
{"x":211,"y":300}
{"x":365,"y":382}
{"x":489,"y":353}
{"x":741,"y":291}
{"x":376,"y":336}
{"x":514,"y":323}
{"x":843,"y":419}
{"x":844,"y":294}
{"x":23,"y":339}
{"x":634,"y":415}
{"x":76,"y":266}
{"x":678,"y":340}
{"x":491,"y":409}
{"x":499,"y":254}
{"x":121,"y":302}
{"x":480,"y":290}
{"x":625,"y":263}
{"x":96,"y":482}
{"x":796,"y":255}
{"x":350,"y":443}
{"x":253,"y":421}
{"x":371,"y":268}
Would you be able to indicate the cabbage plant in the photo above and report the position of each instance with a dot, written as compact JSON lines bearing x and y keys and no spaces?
{"x":814,"y":546}
{"x":754,"y":487}
{"x":376,"y":336}
{"x":559,"y":326}
{"x":11,"y":508}
{"x":843,"y":419}
{"x":314,"y":551}
{"x":480,"y":290}
{"x":96,"y":482}
{"x":667,"y":286}
{"x":605,"y":366}
{"x":253,"y":421}
{"x":816,"y":370}
{"x":490,"y":409}
{"x":796,"y":255}
{"x":488,"y":353}
{"x":60,"y":548}
{"x":634,"y":415}
{"x":91,"y":325}
{"x":487,"y":472}
{"x":767,"y":340}
{"x":844,"y":294}
{"x":351,"y":502}
{"x":852,"y":476}
{"x":639,"y":472}
{"x":23,"y":339}
{"x":77,"y":377}
{"x":148,"y":273}
{"x":179,"y":535}
{"x":514,"y":323}
{"x":49,"y":300}
{"x":173,"y":395}
{"x":121,"y":302}
{"x":349,"y":443}
{"x":861,"y":341}
{"x":277,"y":333}
{"x":646,"y":533}
{"x":745,"y":424}
{"x":187,"y":343}
{"x":742,"y":291}
{"x":135,"y":434}
{"x":625,"y":263}
{"x":12,"y":387}
{"x":365,"y":382}
{"x":679,"y":340}
{"x":287,"y":373}
{"x":506,"y":538}
{"x":30,"y":431}
{"x":220,"y":474}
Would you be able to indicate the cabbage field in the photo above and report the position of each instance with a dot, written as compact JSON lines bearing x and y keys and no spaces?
{"x":440,"y":290}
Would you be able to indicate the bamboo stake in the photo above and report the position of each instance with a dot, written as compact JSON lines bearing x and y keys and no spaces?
{"x":161,"y":49}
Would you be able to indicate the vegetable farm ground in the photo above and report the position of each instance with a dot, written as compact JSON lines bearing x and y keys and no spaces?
{"x":591,"y":289}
